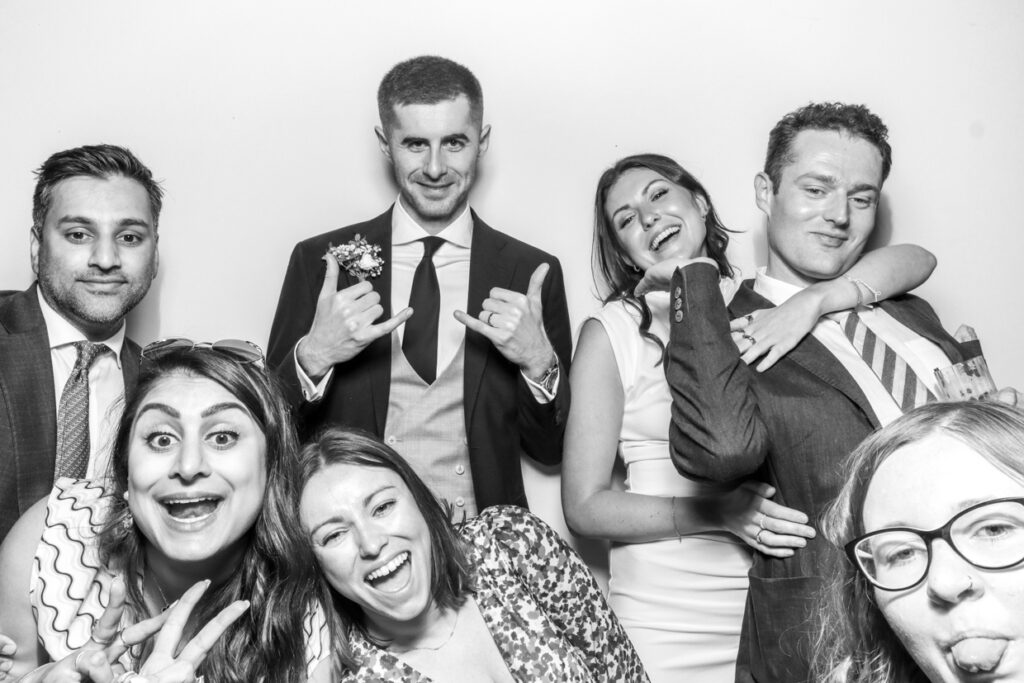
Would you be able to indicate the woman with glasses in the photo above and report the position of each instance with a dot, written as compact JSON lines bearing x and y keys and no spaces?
{"x":932,"y":522}
{"x":178,"y":541}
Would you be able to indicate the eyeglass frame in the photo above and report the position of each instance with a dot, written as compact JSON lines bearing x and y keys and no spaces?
{"x":928,"y":537}
{"x":148,"y":350}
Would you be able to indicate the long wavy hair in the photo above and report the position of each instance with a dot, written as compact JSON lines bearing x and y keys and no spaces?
{"x":450,"y":577}
{"x":266,"y":644}
{"x":613,"y":270}
{"x":855,"y":643}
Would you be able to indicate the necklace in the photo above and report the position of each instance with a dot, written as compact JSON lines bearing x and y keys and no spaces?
{"x":434,"y":648}
{"x":161,"y":592}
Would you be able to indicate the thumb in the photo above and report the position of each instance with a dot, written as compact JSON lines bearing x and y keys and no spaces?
{"x":537,"y":280}
{"x":330,"y":285}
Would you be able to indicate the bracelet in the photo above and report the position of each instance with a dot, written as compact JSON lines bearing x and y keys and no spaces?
{"x":858,"y":283}
{"x":675,"y":524}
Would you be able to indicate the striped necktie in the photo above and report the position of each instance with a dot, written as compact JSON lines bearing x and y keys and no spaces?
{"x":898,"y":378}
{"x":73,"y":415}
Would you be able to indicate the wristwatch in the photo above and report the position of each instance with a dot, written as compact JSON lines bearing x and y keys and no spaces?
{"x":549,"y":378}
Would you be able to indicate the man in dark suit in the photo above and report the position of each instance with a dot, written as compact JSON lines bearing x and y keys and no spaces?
{"x":64,"y":358}
{"x":794,"y":424}
{"x":443,"y":336}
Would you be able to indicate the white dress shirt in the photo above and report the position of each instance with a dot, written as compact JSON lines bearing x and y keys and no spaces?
{"x":919,"y":353}
{"x":106,"y":383}
{"x":451,"y":262}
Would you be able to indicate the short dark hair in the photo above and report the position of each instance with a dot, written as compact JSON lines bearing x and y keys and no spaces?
{"x":853,"y":119}
{"x":450,"y":579}
{"x":610,"y":262}
{"x":427,"y":80}
{"x":96,"y":161}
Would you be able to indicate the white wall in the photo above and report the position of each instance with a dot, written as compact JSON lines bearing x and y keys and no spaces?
{"x":259,"y":116}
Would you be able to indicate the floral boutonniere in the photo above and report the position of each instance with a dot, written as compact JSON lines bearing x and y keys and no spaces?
{"x":360,"y":258}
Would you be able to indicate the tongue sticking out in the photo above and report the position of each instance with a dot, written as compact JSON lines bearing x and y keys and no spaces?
{"x":191,"y":509}
{"x":979,"y":654}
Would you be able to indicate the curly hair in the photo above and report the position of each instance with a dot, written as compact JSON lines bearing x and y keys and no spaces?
{"x":267,"y":643}
{"x":855,"y":643}
{"x":450,"y":575}
{"x":427,"y":80}
{"x":853,"y":119}
{"x":613,"y":271}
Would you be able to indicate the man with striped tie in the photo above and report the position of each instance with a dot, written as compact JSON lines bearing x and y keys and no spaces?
{"x":65,"y":362}
{"x":794,"y":424}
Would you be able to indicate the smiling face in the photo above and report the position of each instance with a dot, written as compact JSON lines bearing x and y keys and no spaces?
{"x":655,"y":219}
{"x":96,"y":255}
{"x":433,"y":150}
{"x":823,"y":211}
{"x":196,"y":471}
{"x":961,"y":623}
{"x":372,"y":543}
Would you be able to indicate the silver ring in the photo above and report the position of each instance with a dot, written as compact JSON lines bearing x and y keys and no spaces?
{"x":758,"y":537}
{"x":490,"y":314}
{"x":970,"y":586}
{"x":749,"y":338}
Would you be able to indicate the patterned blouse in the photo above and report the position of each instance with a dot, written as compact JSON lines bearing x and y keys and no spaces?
{"x":70,"y":587}
{"x":544,"y":609}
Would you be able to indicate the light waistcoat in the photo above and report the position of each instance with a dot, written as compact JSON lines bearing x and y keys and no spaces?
{"x":426,"y":424}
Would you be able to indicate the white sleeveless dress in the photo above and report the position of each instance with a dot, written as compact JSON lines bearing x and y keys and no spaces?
{"x":680,"y":601}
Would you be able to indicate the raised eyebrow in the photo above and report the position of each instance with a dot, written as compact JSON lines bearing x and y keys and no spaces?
{"x":221,"y":407}
{"x":161,"y":407}
{"x":643,"y":191}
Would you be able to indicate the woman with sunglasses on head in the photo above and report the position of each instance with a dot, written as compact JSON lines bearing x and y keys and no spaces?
{"x":932,"y":521}
{"x":183,"y":515}
{"x":500,"y":598}
{"x":680,"y":556}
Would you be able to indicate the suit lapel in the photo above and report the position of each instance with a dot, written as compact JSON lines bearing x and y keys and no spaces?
{"x":810,"y":354}
{"x":26,"y":373}
{"x":908,"y":315}
{"x":486,"y":270}
{"x":378,"y":353}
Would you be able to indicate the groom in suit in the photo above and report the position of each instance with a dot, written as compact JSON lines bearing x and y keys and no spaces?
{"x":794,"y":424}
{"x":446,"y":338}
{"x":64,"y":358}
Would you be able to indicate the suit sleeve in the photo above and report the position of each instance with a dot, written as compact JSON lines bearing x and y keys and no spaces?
{"x":717,"y":432}
{"x":295,"y":309}
{"x":542,"y":425}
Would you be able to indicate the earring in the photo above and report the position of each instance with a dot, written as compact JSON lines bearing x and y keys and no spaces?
{"x":636,"y":269}
{"x":128,"y":520}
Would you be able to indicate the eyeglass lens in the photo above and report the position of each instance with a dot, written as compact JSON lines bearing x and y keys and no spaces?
{"x":990,"y":537}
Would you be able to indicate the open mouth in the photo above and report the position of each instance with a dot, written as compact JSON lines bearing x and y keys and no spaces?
{"x":664,"y":236}
{"x":391,"y":576}
{"x":191,"y":509}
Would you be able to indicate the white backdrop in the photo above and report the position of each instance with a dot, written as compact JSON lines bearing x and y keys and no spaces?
{"x":259,"y":118}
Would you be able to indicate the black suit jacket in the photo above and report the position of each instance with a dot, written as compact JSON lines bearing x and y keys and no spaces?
{"x":28,"y":415}
{"x":501,"y":413}
{"x":791,"y":426}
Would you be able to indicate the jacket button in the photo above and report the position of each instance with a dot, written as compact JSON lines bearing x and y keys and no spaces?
{"x":679,"y":316}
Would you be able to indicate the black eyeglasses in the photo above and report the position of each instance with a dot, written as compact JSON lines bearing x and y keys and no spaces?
{"x":239,"y":349}
{"x":988,"y":535}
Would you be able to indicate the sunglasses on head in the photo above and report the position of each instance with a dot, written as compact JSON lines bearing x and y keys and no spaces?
{"x":239,"y":349}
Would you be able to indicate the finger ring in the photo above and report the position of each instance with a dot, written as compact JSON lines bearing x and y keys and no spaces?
{"x":749,"y":338}
{"x":761,"y":523}
{"x":758,"y":537}
{"x":78,"y":657}
{"x":490,"y":314}
{"x":749,"y":317}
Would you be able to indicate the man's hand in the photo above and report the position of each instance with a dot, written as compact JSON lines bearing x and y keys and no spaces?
{"x":514,"y":323}
{"x":343,"y":323}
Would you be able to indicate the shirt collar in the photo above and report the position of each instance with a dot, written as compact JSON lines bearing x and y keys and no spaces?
{"x":62,"y":333}
{"x":776,"y":291}
{"x":405,"y":229}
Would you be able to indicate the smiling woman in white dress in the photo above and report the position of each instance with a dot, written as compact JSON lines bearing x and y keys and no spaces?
{"x":681,"y":548}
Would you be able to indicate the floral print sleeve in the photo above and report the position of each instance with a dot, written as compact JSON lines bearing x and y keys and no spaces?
{"x":525,"y":567}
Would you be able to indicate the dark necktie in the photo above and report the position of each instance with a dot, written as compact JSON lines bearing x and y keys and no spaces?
{"x":898,"y":378}
{"x":420,"y":339}
{"x":73,"y":415}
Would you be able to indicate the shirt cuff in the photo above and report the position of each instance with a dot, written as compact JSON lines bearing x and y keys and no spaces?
{"x":311,"y":391}
{"x":541,"y":394}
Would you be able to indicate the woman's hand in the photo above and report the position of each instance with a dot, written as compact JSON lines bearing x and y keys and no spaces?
{"x":658,"y":278}
{"x":7,"y":650}
{"x":765,"y":526}
{"x":773,"y":332}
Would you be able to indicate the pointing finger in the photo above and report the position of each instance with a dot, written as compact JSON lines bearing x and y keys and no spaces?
{"x":392,"y":323}
{"x":330,"y":285}
{"x":537,"y":281}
